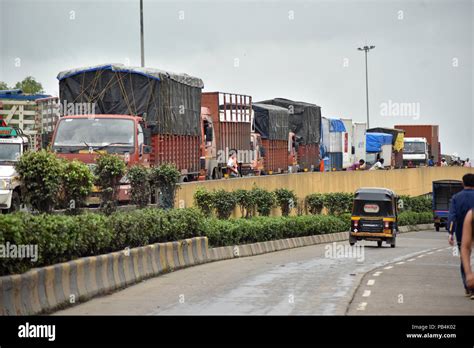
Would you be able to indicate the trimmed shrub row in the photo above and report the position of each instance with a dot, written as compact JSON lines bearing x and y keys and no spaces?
{"x":62,"y":238}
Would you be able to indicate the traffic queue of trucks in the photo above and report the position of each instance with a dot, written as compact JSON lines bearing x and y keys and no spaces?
{"x":150,"y":117}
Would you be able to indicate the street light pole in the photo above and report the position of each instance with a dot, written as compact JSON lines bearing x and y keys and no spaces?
{"x":366,"y":49}
{"x":142,"y":44}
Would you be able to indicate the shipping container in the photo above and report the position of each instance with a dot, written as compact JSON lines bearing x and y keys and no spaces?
{"x":231,"y":115}
{"x":358,"y":141}
{"x":430,"y":132}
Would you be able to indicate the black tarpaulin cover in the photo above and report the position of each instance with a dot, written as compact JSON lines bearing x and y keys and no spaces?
{"x":304,"y":119}
{"x":171,"y":102}
{"x":271,"y":121}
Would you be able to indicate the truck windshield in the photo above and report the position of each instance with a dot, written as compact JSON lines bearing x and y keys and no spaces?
{"x":95,"y":132}
{"x":414,"y":147}
{"x":9,"y":152}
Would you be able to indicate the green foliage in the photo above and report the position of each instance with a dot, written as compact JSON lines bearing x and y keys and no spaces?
{"x":337,"y":203}
{"x":203,"y":199}
{"x":139,"y":178}
{"x":315,"y":203}
{"x":258,"y":229}
{"x":286,"y":199}
{"x":29,"y":85}
{"x":346,"y":219}
{"x":410,"y":218}
{"x":224,"y":203}
{"x":109,"y":170}
{"x":65,"y":237}
{"x":3,"y":85}
{"x":418,"y":204}
{"x":264,"y":200}
{"x":77,"y":182}
{"x":246,"y":202}
{"x":165,"y":179}
{"x":40,"y":174}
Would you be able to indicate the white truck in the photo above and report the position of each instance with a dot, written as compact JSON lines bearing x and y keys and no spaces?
{"x":415,"y":152}
{"x":13,"y":143}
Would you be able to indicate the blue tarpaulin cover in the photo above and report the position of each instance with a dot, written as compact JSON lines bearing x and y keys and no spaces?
{"x":336,"y":126}
{"x":374,"y":141}
{"x":17,"y":94}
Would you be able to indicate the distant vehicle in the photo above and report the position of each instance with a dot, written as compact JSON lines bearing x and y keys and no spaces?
{"x":374,"y":216}
{"x":443,"y":191}
{"x":415,"y":151}
{"x":431,"y":135}
{"x":13,"y":143}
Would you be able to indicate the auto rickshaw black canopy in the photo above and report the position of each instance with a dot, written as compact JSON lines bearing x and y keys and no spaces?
{"x":374,"y":194}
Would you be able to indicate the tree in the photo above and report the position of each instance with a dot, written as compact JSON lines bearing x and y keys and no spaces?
{"x":3,"y":85}
{"x":30,"y":85}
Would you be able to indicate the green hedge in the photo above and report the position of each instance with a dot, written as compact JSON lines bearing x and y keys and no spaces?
{"x":407,"y":218}
{"x":258,"y":229}
{"x":62,"y":238}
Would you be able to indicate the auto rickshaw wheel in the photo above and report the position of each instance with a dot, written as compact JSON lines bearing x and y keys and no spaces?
{"x":379,"y":243}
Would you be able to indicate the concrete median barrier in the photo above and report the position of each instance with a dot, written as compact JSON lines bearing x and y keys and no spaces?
{"x":45,"y":289}
{"x":42,"y":290}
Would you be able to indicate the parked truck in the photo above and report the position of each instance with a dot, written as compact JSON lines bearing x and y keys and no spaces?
{"x":443,"y":191}
{"x":305,"y":132}
{"x":396,"y":158}
{"x":226,"y":119}
{"x":13,"y":143}
{"x":271,"y":127}
{"x":359,"y":141}
{"x":146,"y":116}
{"x":415,"y":135}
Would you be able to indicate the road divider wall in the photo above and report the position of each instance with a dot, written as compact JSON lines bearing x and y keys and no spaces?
{"x":42,"y":290}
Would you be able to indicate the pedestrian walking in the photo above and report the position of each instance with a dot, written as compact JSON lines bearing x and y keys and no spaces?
{"x":466,"y":248}
{"x":467,"y":163}
{"x":460,"y":205}
{"x":232,"y":166}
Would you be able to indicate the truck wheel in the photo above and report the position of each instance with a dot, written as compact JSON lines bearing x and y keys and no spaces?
{"x":379,"y":243}
{"x":16,"y":203}
{"x":352,"y":241}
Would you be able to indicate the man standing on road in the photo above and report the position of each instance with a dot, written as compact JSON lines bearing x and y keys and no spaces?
{"x":466,"y":247}
{"x":461,"y":203}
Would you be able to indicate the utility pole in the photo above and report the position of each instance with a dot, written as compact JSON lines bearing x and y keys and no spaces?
{"x":366,"y":49}
{"x":142,"y":43}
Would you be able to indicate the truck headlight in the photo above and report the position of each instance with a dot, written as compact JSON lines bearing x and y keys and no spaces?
{"x":6,"y":184}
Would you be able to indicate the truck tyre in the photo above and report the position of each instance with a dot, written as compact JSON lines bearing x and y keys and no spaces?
{"x":16,"y":202}
{"x":352,"y":240}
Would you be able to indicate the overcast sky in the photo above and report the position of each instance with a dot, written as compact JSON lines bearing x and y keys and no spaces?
{"x":301,"y":50}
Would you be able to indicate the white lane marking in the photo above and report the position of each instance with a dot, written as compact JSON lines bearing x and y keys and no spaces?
{"x":430,"y":253}
{"x":411,"y":260}
{"x":366,"y":293}
{"x":371,"y":282}
{"x":400,"y":263}
{"x":388,"y":267}
{"x":420,"y":256}
{"x":440,"y":250}
{"x":376,"y":274}
{"x":361,"y":306}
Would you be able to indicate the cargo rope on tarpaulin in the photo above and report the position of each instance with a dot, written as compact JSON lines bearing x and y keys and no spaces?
{"x":170,"y":101}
